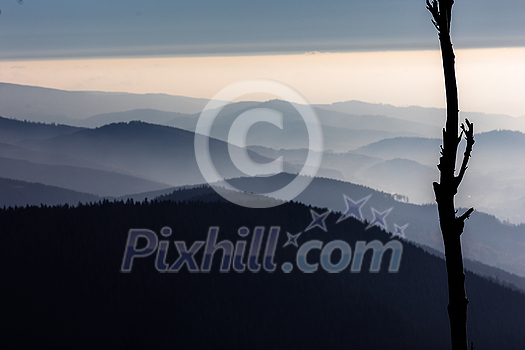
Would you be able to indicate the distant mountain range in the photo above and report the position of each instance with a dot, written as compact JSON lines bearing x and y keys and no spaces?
{"x":431,"y":116}
{"x":97,"y":108}
{"x":14,"y":131}
{"x":159,"y":153}
{"x":51,"y":105}
{"x":343,"y":132}
{"x":98,"y":182}
{"x":22,"y":193}
{"x":366,"y":143}
{"x":396,"y":153}
{"x":495,"y":180}
{"x":407,"y":166}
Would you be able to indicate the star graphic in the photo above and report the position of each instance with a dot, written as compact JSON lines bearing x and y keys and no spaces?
{"x":353,"y":208}
{"x":318,"y":220}
{"x":379,"y":218}
{"x":400,"y":230}
{"x":292,"y":239}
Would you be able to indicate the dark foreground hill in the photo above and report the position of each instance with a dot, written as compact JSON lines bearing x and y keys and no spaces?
{"x":486,"y":239}
{"x":63,"y":287}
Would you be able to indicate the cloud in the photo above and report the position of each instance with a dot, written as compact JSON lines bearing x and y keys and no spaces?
{"x":97,"y":28}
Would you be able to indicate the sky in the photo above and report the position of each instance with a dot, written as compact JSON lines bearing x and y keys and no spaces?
{"x":383,"y":51}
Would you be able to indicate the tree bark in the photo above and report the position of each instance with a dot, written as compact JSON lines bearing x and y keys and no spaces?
{"x":446,"y":189}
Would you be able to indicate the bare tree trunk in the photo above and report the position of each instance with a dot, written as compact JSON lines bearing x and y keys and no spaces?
{"x":446,"y":189}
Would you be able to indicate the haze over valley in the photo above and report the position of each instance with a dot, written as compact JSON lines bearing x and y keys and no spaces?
{"x":145,"y":152}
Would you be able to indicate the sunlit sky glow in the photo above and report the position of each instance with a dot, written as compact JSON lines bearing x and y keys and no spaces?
{"x":490,"y":80}
{"x":383,"y":51}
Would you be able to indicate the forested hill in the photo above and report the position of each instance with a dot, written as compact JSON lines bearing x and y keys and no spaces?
{"x":63,"y":288}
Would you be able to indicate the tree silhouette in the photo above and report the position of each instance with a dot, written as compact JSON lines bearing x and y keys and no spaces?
{"x":446,"y":189}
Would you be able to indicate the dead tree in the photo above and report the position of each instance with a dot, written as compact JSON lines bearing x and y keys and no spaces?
{"x":446,"y":189}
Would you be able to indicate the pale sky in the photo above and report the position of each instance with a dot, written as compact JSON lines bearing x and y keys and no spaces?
{"x":96,"y":28}
{"x":383,"y":51}
{"x":490,"y":80}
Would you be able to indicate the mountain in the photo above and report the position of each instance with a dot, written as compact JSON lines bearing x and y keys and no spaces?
{"x":347,"y":165}
{"x":401,"y":176}
{"x":165,"y":156}
{"x":493,"y":149}
{"x":407,"y":166}
{"x":21,"y":193}
{"x":187,"y":120}
{"x":342,"y":132}
{"x":492,"y":167}
{"x":149,"y":115}
{"x":54,"y":158}
{"x":98,"y":182}
{"x":431,"y":116}
{"x":114,"y":160}
{"x":78,"y":296}
{"x":17,"y":131}
{"x":368,"y":121}
{"x":486,"y":239}
{"x":422,"y":150}
{"x":159,"y":153}
{"x":96,"y":109}
{"x":60,"y":106}
{"x":205,"y":193}
{"x":493,"y":183}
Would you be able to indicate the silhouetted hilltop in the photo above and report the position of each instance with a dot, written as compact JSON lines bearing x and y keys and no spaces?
{"x":65,"y":288}
{"x":94,"y":181}
{"x":18,"y":131}
{"x":21,"y":193}
{"x":159,"y":153}
{"x":146,"y":115}
{"x":485,"y":239}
